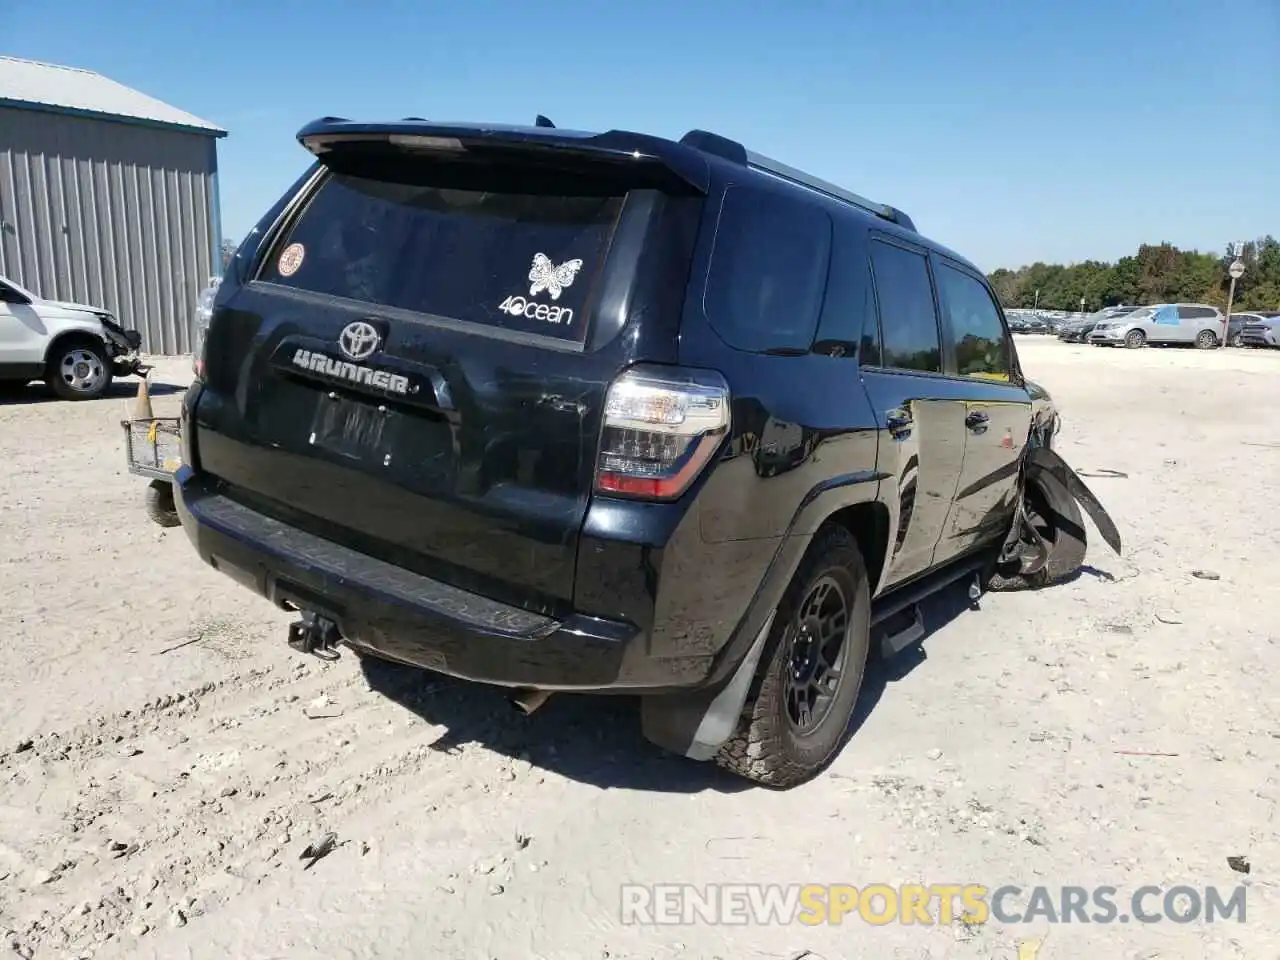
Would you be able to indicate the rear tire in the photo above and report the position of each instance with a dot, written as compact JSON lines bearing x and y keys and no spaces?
{"x":160,"y":506}
{"x":1206,"y":340}
{"x":1056,"y":515}
{"x":1135,"y":339}
{"x":773,"y":745}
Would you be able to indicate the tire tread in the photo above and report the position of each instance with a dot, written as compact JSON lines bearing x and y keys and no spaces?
{"x":756,"y":749}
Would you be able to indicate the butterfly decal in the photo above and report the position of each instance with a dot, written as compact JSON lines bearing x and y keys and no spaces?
{"x":545,"y":275}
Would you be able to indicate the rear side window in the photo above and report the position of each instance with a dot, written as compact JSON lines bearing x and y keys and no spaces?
{"x":1196,"y":313}
{"x":499,"y":257}
{"x":768,"y":271}
{"x":908,"y":320}
{"x":982,"y":349}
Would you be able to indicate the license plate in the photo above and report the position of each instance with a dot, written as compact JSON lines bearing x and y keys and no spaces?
{"x":356,"y":431}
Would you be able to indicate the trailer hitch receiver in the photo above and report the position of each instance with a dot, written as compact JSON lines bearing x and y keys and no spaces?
{"x":315,"y":635}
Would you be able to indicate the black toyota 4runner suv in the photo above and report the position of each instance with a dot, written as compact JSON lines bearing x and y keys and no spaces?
{"x":563,"y":411}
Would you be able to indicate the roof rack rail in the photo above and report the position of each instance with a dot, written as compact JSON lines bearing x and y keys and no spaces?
{"x":735,"y":152}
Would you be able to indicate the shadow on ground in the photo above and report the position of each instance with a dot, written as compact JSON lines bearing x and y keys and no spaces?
{"x":590,"y":739}
{"x":937,"y":611}
{"x":597,"y":739}
{"x":12,"y":394}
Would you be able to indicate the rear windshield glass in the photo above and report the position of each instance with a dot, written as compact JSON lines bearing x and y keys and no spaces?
{"x":520,"y":261}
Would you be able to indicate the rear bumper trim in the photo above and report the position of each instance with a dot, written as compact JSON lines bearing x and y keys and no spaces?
{"x":382,"y":581}
{"x":401,"y":615}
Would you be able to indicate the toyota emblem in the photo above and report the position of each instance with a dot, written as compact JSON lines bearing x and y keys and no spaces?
{"x":358,"y":340}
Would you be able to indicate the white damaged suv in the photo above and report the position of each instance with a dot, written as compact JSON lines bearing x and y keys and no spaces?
{"x":76,"y":349}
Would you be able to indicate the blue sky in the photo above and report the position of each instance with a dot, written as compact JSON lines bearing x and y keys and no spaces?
{"x":1014,"y":132}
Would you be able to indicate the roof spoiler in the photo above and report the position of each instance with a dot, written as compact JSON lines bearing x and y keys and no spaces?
{"x":617,"y":147}
{"x":735,"y":152}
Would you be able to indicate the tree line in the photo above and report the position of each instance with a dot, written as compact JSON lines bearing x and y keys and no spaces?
{"x":1157,"y":273}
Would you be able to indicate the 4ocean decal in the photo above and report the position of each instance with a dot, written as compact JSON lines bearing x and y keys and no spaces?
{"x":545,"y":275}
{"x":532,"y":310}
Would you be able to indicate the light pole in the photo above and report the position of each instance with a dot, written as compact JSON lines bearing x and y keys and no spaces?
{"x":1235,"y":271}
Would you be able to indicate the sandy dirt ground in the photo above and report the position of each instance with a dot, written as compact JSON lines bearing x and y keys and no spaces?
{"x":165,"y":758}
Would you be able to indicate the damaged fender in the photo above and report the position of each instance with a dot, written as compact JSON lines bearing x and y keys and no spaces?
{"x":1042,"y":460}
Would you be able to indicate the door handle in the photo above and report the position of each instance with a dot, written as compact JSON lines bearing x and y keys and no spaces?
{"x":898,"y":422}
{"x":976,"y":421}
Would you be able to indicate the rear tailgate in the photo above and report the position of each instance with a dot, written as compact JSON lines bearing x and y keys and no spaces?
{"x":416,"y":365}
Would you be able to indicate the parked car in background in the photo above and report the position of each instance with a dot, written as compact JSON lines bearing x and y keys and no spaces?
{"x":1262,"y":329}
{"x":76,"y":349}
{"x":1026,"y":321}
{"x":1077,"y":331}
{"x":1171,"y":323}
{"x":1235,"y":327}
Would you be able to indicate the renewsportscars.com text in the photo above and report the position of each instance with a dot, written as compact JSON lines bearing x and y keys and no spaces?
{"x":924,"y":904}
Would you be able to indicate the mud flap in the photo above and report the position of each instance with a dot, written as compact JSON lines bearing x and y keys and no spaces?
{"x":699,"y":723}
{"x":1042,"y":459}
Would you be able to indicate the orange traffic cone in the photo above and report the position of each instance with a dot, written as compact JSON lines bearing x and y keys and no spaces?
{"x":142,"y":402}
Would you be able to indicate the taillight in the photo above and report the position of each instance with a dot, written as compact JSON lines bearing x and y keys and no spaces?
{"x":661,"y":427}
{"x":204,"y":313}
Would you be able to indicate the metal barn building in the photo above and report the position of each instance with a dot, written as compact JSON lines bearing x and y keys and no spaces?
{"x":107,"y":197}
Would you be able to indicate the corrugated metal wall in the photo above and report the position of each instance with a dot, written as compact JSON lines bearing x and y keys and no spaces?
{"x":109,"y":214}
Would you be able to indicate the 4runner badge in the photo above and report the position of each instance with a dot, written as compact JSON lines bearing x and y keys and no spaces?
{"x":313,"y":361}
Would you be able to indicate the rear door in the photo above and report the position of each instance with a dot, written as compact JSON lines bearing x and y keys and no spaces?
{"x":921,"y":411}
{"x":1188,"y":323}
{"x":1195,"y":319}
{"x":418,"y":364}
{"x":997,"y":415}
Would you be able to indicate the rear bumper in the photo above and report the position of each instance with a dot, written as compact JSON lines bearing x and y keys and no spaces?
{"x":401,"y":615}
{"x":1251,"y":339}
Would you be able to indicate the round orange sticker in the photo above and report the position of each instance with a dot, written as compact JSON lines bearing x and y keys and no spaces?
{"x":290,"y":259}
